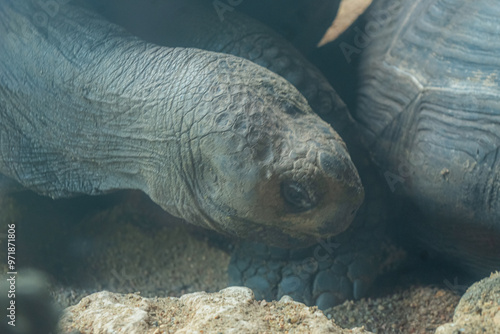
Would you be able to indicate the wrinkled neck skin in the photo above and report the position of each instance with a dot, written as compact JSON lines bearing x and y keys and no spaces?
{"x":87,"y":108}
{"x":206,"y":25}
{"x":210,"y":26}
{"x":90,"y":118}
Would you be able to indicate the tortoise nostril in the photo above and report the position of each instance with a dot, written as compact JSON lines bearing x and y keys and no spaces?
{"x":296,"y":196}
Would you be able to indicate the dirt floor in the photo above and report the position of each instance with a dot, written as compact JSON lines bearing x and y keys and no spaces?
{"x":123,"y":248}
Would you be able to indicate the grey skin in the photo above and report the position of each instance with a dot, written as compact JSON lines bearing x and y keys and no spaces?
{"x":201,"y":24}
{"x":87,"y":108}
{"x":448,"y":219}
{"x":335,"y":269}
{"x":452,"y":217}
{"x":429,"y":112}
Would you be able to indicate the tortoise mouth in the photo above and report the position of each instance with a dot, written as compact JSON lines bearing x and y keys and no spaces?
{"x":278,"y":237}
{"x":291,"y":212}
{"x":281,"y":236}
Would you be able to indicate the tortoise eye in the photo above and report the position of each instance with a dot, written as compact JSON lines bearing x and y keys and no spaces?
{"x":296,"y":196}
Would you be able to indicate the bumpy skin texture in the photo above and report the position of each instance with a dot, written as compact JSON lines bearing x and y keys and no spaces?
{"x":86,"y":108}
{"x":335,"y":269}
{"x":429,"y":112}
{"x":200,"y":24}
{"x":99,"y":140}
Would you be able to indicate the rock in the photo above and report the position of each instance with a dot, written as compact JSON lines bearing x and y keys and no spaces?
{"x":478,"y":310}
{"x":232,"y":310}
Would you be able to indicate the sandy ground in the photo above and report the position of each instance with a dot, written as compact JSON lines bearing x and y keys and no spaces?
{"x":134,"y":247}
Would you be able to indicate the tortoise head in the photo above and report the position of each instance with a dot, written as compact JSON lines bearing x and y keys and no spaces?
{"x":264,"y":166}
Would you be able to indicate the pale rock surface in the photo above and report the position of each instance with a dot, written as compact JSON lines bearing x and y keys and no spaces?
{"x":232,"y":310}
{"x":478,"y":310}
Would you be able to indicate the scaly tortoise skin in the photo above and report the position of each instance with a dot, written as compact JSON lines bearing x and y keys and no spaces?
{"x":350,"y":262}
{"x":184,"y":180}
{"x":211,"y":138}
{"x":338,"y":268}
{"x":429,"y":113}
{"x":335,"y":269}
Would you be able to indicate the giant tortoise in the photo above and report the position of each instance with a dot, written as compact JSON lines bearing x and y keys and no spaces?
{"x":429,"y":114}
{"x":87,"y":107}
{"x":311,"y":187}
{"x":206,"y":146}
